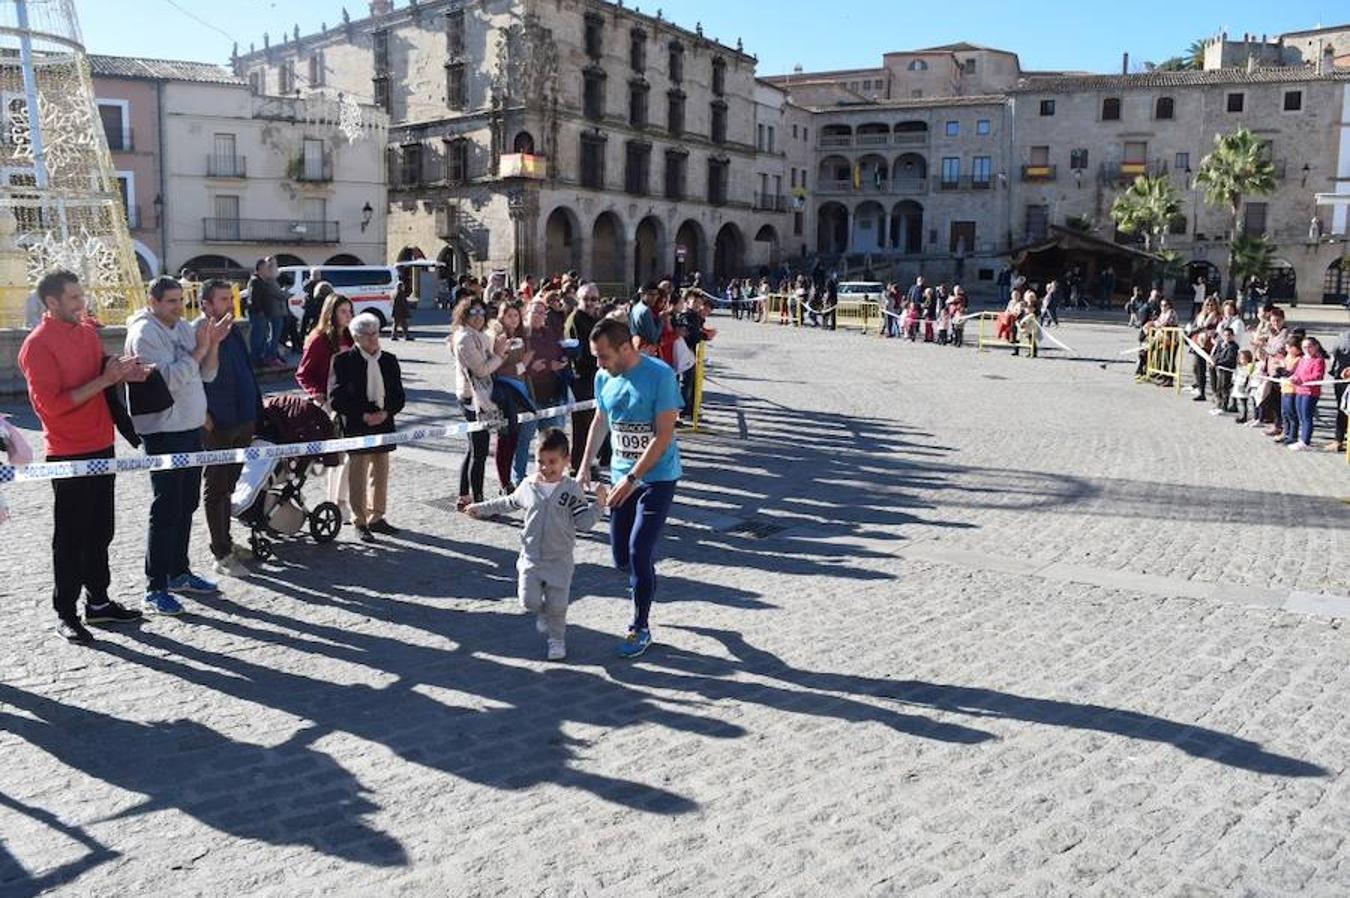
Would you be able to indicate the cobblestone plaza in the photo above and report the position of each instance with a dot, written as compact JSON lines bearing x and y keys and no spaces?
{"x":931,"y":622}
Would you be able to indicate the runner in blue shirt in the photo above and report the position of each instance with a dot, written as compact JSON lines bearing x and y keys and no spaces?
{"x":638,"y":399}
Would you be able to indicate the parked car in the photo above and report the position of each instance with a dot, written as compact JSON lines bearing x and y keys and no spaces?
{"x":370,"y":287}
{"x":865,"y":291}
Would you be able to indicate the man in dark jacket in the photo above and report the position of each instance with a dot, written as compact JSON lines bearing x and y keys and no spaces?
{"x":366,"y":402}
{"x":267,"y":304}
{"x":233,"y":407}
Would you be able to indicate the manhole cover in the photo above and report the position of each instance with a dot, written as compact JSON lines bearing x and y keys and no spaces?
{"x":755,"y":528}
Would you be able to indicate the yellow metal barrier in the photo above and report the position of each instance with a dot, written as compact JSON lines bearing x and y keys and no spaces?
{"x":698,"y":386}
{"x":859,"y":313}
{"x":1165,"y":355}
{"x":774,"y":306}
{"x":1026,"y":338}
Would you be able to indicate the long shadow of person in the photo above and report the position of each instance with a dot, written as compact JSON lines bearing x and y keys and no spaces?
{"x":1200,"y":742}
{"x":16,"y":882}
{"x":183,"y":765}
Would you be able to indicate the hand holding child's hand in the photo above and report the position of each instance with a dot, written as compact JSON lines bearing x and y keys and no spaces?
{"x":601,"y":494}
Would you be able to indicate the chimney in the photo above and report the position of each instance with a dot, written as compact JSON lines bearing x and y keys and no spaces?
{"x":1125,"y":64}
{"x":381,"y":7}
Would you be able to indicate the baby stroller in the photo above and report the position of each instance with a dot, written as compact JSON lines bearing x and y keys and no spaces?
{"x":269,"y":497}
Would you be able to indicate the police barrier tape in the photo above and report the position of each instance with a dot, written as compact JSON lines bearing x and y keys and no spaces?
{"x":98,"y":467}
{"x":1209,"y":359}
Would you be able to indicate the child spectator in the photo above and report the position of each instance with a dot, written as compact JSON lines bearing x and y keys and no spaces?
{"x":1242,"y":383}
{"x":912,"y":320}
{"x":1305,"y":378}
{"x":1225,"y":359}
{"x":944,"y":324}
{"x":555,"y":508}
{"x":1293,"y":354}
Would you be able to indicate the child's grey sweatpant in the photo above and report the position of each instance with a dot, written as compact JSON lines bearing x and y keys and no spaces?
{"x":546,"y":592}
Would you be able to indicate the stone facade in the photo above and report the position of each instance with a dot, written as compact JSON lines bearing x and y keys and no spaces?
{"x":501,"y":156}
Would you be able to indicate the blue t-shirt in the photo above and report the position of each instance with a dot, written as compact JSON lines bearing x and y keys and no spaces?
{"x":642,"y":322}
{"x":631,"y":401}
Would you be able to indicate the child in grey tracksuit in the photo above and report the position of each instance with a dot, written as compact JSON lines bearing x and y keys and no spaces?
{"x":555,"y":508}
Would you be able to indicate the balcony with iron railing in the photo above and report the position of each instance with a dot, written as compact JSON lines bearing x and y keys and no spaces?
{"x":770,"y":202}
{"x":834,"y":141}
{"x":120,"y":140}
{"x":226,"y":166}
{"x":1038,"y":172}
{"x":964,"y":182}
{"x":310,"y":170}
{"x":269,"y":230}
{"x":1113,"y":172}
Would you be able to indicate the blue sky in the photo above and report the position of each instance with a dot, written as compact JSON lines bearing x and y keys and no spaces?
{"x":1047,"y":34}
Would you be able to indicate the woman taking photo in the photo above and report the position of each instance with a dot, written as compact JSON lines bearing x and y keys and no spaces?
{"x":477,"y":357}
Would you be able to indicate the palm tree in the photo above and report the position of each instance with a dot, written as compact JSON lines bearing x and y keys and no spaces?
{"x":1251,"y":257}
{"x":1195,"y":56}
{"x":1239,"y":166}
{"x":1147,"y":207}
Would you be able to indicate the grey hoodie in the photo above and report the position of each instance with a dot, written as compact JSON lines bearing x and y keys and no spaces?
{"x":170,"y":351}
{"x":549,"y":537}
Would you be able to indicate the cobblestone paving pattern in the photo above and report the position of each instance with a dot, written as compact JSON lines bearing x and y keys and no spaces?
{"x":931,"y":622}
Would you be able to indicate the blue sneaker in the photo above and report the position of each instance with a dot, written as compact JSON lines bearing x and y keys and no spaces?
{"x":635,"y":644}
{"x":161,"y":602}
{"x":191,"y":583}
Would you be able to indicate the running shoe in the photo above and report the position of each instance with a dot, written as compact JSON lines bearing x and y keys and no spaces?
{"x":73,"y":631}
{"x":1299,"y":447}
{"x":191,"y":583}
{"x":161,"y":602}
{"x":635,"y":643}
{"x":557,"y":650}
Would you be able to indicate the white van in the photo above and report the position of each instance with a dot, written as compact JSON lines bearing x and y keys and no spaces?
{"x":869,"y":291}
{"x":370,"y":287}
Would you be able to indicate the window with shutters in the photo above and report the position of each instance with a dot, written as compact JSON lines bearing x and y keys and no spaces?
{"x":411,"y":170}
{"x":1037,"y":222}
{"x":286,"y":73}
{"x":1254,"y":218}
{"x":316,"y":74}
{"x":676,"y":62}
{"x":677,"y":165}
{"x":1164,"y":109}
{"x":1111,"y":109}
{"x":1047,"y":107}
{"x":1236,"y":102}
{"x":719,"y":76}
{"x":380,"y":45}
{"x":593,"y":161}
{"x":457,"y":161}
{"x":1293,"y":100}
{"x":1078,"y":159}
{"x":980,"y":168}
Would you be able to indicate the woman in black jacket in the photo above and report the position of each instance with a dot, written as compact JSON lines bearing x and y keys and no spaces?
{"x":367,"y":394}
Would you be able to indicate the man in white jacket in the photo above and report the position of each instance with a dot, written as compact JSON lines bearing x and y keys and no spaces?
{"x":185,"y":358}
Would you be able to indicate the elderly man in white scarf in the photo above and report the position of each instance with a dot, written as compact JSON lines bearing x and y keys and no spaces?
{"x":367,"y":394}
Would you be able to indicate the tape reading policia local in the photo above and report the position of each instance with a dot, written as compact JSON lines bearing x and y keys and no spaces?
{"x":97,"y":467}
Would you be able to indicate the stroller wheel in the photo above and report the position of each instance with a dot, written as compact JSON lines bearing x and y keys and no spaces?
{"x":325,"y":521}
{"x":261,"y":546}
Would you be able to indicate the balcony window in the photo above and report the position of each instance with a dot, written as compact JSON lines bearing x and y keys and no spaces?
{"x":675,"y":113}
{"x":457,"y":161}
{"x":1111,"y":109}
{"x":595,"y":36}
{"x":676,"y":62}
{"x":677,"y":165}
{"x":113,"y":116}
{"x":951,"y":171}
{"x":456,"y":91}
{"x":1254,"y":218}
{"x":454,"y":33}
{"x":316,"y":67}
{"x":1164,"y":109}
{"x":980,"y":168}
{"x":593,"y":94}
{"x":637,"y":51}
{"x":637,"y":104}
{"x":719,"y":122}
{"x":593,"y":161}
{"x":410,"y":172}
{"x":717,"y":181}
{"x":379,"y":42}
{"x":1037,"y":222}
{"x":286,"y":73}
{"x":719,"y":77}
{"x":637,"y":167}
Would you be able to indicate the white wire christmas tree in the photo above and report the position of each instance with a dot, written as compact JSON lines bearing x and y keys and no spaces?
{"x":60,"y":205}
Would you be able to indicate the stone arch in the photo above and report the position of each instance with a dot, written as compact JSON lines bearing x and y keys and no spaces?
{"x":832,"y":228}
{"x":1336,"y":282}
{"x":907,"y":227}
{"x":909,"y":168}
{"x":649,"y":251}
{"x":523,"y":143}
{"x":607,"y":249}
{"x":289,"y":260}
{"x":869,"y":219}
{"x":690,"y":236}
{"x":834,"y":170}
{"x":206,"y":267}
{"x":728,"y":254}
{"x":771,"y":253}
{"x":453,"y":262}
{"x":562,"y":241}
{"x":836,"y":136}
{"x":146,"y":260}
{"x":349,"y":259}
{"x":874,"y":172}
{"x":873,"y":134}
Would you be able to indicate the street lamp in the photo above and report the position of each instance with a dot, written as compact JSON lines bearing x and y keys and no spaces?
{"x":159,"y":207}
{"x":367,"y":213}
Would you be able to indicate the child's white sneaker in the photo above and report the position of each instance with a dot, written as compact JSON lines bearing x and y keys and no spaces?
{"x":557,"y":650}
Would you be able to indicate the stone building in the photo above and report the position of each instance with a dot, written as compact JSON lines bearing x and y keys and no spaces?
{"x":214,"y":176}
{"x":572,"y":134}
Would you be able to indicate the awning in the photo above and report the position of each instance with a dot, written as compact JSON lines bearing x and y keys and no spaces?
{"x":1069,"y":239}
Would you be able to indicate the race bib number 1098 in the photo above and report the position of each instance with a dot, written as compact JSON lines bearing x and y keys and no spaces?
{"x":631,"y":440}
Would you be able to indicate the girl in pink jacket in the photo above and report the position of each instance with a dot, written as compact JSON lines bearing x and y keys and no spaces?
{"x":1306,"y":377}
